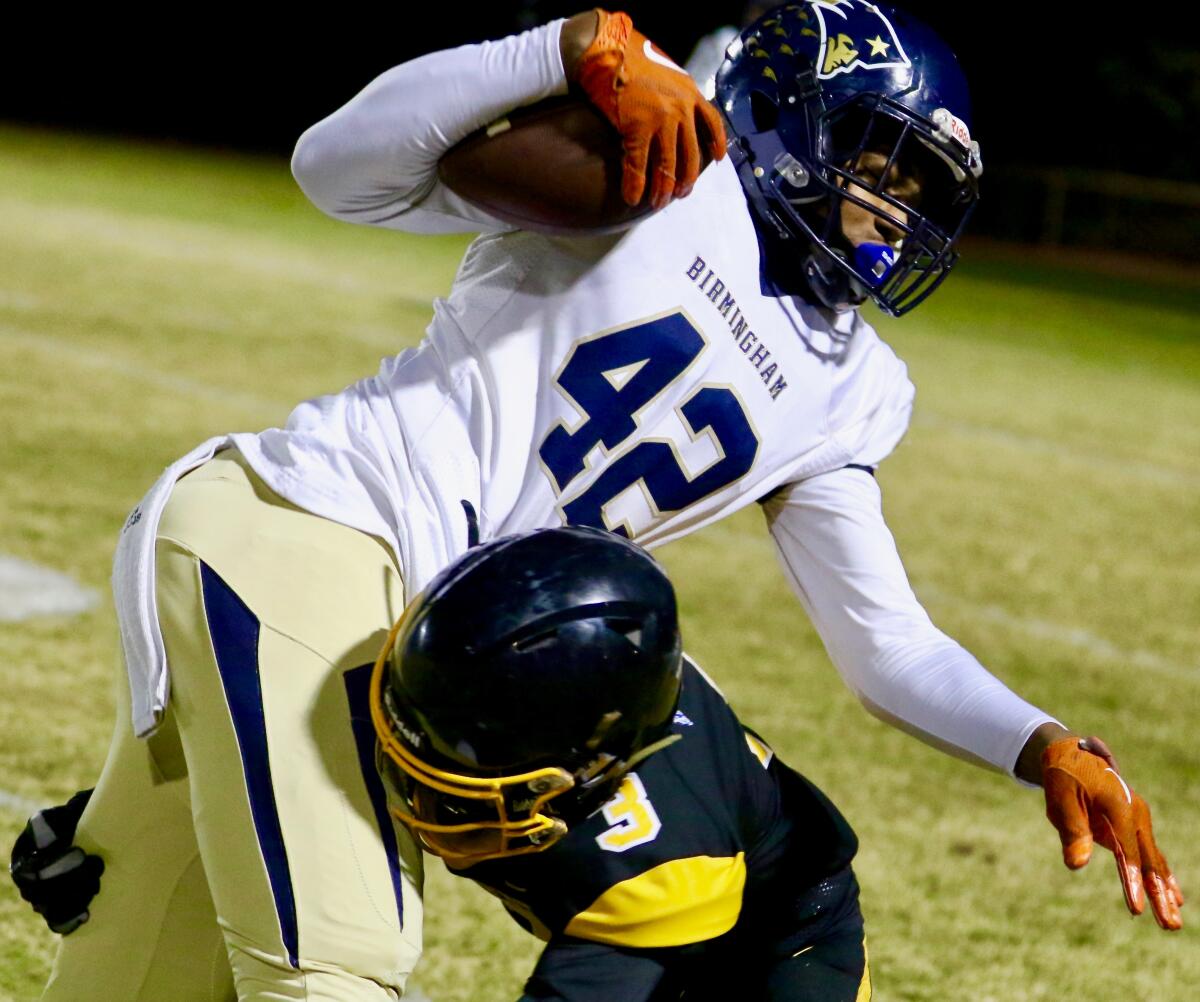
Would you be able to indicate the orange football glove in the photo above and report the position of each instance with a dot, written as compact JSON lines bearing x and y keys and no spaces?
{"x":1088,"y":801}
{"x":653,"y":104}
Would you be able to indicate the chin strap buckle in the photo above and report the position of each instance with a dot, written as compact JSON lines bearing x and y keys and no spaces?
{"x":833,"y":287}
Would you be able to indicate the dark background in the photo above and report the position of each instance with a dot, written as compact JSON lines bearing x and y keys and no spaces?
{"x":1056,"y":86}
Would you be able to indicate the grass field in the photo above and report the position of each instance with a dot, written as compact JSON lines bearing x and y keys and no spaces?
{"x":1046,"y":500}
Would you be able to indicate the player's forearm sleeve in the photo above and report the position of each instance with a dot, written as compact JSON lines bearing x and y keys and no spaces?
{"x":841,"y":560}
{"x":374,"y":160}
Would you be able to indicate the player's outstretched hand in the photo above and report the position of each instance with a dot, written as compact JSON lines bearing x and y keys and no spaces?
{"x":1088,"y":802}
{"x":59,"y":879}
{"x":655,"y":106}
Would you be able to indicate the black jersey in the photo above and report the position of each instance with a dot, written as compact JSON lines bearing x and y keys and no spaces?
{"x":707,"y":834}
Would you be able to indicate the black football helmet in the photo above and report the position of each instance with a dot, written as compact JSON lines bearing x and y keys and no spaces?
{"x":521,"y":686}
{"x":810,"y":88}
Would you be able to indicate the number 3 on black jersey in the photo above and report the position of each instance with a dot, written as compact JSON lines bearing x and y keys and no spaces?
{"x":610,"y":378}
{"x":633,"y":818}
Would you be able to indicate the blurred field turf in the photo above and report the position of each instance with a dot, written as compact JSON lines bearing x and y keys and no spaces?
{"x":1047,"y":503}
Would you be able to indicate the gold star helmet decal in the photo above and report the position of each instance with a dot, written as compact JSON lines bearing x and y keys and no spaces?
{"x":878,"y":46}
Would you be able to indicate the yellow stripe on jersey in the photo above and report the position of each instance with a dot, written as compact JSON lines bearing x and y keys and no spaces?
{"x":864,"y":986}
{"x":677,"y":902}
{"x":759,"y":750}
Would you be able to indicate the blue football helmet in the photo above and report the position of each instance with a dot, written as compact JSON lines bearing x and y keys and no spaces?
{"x":830,"y":102}
{"x":521,"y":686}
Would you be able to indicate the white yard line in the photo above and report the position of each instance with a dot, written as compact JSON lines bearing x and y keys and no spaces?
{"x":1132,"y":469}
{"x":389,"y":340}
{"x":1076,"y":637}
{"x":189,"y":242}
{"x":16,"y":804}
{"x":28,"y":590}
{"x":64,"y":351}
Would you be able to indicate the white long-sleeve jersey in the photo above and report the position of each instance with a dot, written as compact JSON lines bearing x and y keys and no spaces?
{"x":648,"y":382}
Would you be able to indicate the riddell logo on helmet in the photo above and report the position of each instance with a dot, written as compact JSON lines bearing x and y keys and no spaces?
{"x":950,"y":126}
{"x":855,"y":35}
{"x":959,"y":131}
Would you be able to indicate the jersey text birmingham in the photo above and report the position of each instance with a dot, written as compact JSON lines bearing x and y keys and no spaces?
{"x":754,"y":350}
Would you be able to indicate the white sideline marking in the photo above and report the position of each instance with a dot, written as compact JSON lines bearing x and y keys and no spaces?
{"x":27,"y":590}
{"x":18,"y":804}
{"x":381,"y":336}
{"x":63,"y":350}
{"x":1143,"y":470}
{"x":1071,"y":636}
{"x":187,"y":242}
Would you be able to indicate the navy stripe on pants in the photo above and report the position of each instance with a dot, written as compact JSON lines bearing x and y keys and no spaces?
{"x":234,"y":630}
{"x":358,"y":689}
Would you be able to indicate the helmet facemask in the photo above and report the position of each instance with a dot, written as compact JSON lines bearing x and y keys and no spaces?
{"x":466,"y":819}
{"x":861,"y":146}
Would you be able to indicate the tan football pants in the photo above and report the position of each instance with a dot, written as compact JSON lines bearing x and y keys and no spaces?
{"x":247,"y":843}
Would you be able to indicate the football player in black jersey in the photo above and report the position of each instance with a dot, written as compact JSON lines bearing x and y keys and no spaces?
{"x":540,"y":730}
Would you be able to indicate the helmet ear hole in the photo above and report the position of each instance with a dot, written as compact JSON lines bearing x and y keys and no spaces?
{"x":630,"y":629}
{"x":764,"y":111}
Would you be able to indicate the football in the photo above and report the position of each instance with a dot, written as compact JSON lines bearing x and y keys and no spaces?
{"x":553,"y":167}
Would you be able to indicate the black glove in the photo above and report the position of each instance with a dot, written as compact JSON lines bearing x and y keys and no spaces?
{"x":59,"y":879}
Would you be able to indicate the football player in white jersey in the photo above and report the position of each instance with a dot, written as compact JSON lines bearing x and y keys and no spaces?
{"x":649,"y":382}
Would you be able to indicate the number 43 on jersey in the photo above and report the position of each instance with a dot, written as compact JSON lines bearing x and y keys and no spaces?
{"x":611,"y":378}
